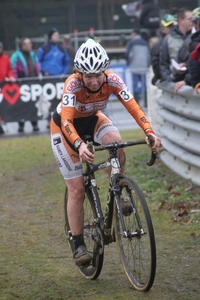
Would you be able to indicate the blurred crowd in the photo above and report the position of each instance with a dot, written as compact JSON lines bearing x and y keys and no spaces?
{"x":173,"y":53}
{"x":175,"y":56}
{"x":171,"y":45}
{"x":52,"y":59}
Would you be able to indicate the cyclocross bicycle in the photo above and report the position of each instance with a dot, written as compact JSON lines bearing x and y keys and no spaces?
{"x":126,"y":221}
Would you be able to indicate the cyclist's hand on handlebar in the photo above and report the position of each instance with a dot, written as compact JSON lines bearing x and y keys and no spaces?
{"x":154,"y":142}
{"x":85,"y":154}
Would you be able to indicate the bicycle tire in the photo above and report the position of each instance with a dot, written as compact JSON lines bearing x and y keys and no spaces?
{"x":138,"y":251}
{"x":92,"y":236}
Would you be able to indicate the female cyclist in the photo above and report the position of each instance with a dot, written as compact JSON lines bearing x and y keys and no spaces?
{"x":85,"y":94}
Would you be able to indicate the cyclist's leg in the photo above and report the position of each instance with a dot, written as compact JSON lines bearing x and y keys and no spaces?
{"x":75,"y":214}
{"x":71,"y":169}
{"x":76,"y":191}
{"x":105,"y":131}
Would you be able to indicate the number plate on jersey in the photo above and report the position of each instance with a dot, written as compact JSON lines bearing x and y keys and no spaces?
{"x":125,"y":94}
{"x":68,"y":100}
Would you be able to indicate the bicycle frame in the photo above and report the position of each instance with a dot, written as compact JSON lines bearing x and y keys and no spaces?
{"x":91,"y":187}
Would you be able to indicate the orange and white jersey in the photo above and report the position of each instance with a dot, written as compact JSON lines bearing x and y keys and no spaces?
{"x":78,"y":102}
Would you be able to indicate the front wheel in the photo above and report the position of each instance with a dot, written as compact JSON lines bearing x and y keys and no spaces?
{"x":92,"y":236}
{"x":134,"y":235}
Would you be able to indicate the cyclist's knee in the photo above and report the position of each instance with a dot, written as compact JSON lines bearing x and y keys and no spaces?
{"x":76,"y":187}
{"x":111,"y":137}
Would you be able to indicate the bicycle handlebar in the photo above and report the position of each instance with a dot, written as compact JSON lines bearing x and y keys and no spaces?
{"x":118,"y":145}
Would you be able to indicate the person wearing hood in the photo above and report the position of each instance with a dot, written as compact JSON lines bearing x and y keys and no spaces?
{"x":53,"y":58}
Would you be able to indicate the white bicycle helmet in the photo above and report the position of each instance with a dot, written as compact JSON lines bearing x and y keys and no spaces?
{"x":91,"y":58}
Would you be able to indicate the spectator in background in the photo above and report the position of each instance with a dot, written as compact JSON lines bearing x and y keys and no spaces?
{"x":138,"y":59}
{"x":67,"y":45}
{"x":195,"y":12}
{"x":194,"y":66}
{"x":193,"y":76}
{"x":149,"y":20}
{"x":172,"y":43}
{"x":25,"y":64}
{"x":189,"y":46}
{"x":53,"y":58}
{"x":192,"y":40}
{"x":6,"y":72}
{"x":166,"y":26}
{"x":196,"y":25}
{"x":154,"y":92}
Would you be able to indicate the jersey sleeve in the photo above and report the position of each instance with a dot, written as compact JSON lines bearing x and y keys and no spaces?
{"x":121,"y":91}
{"x":135,"y":110}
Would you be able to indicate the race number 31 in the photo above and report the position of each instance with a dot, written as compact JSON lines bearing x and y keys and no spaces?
{"x":69,"y":100}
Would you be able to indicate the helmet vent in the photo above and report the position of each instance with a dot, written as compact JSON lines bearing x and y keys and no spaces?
{"x":95,"y":52}
{"x":86,"y":52}
{"x":83,"y":67}
{"x":87,"y":67}
{"x":99,"y":67}
{"x":91,"y":61}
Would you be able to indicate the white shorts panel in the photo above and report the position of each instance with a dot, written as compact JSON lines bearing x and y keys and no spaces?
{"x":67,"y":167}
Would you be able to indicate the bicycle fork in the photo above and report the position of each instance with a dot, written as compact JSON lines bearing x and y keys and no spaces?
{"x":126,"y":232}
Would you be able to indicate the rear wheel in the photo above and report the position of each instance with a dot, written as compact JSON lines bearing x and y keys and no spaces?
{"x":136,"y":248}
{"x":92,"y":236}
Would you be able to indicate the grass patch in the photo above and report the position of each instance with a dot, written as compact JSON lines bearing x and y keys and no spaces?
{"x":35,"y":260}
